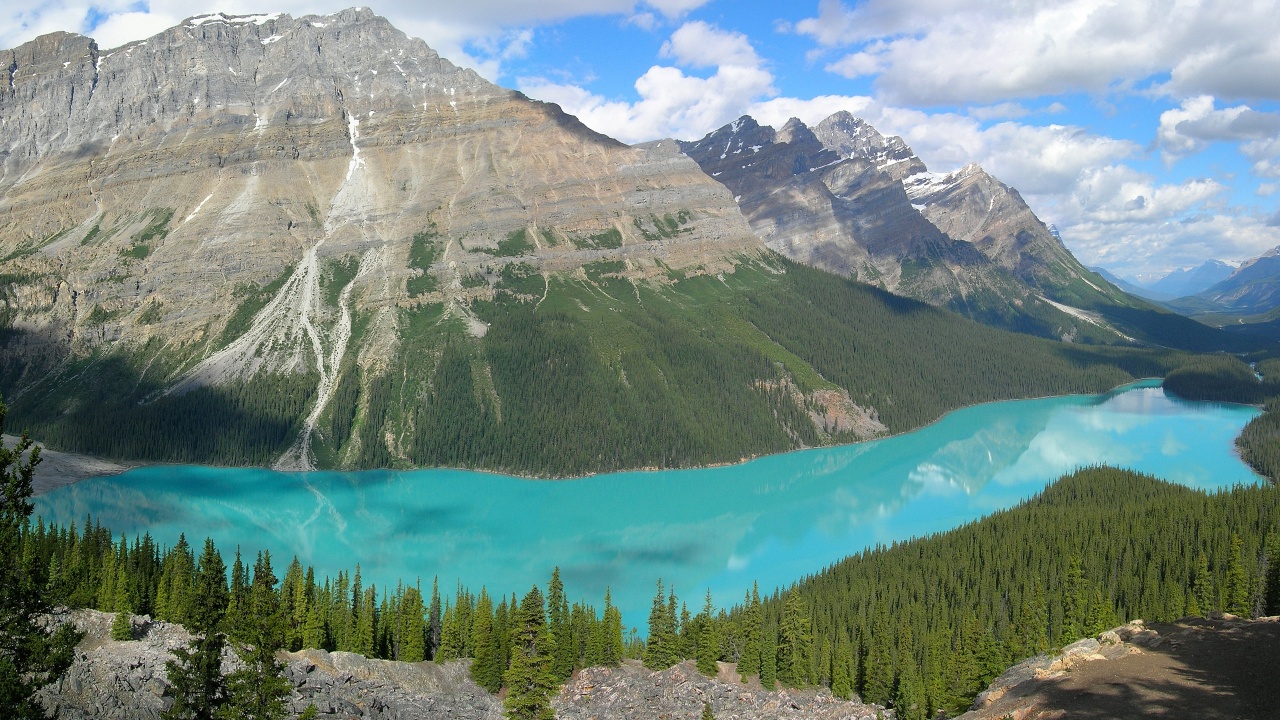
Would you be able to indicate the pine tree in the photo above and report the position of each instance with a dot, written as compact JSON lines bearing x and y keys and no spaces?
{"x":769,"y":657}
{"x":413,"y":628}
{"x":489,"y":665}
{"x":561,"y":632}
{"x":122,"y":624}
{"x":1237,"y":594}
{"x":433,"y":620}
{"x":795,"y":641}
{"x":529,"y":680}
{"x":1203,"y":583}
{"x":258,"y":690}
{"x":1271,"y":584}
{"x":30,"y":656}
{"x":708,"y":649}
{"x":749,"y":663}
{"x":841,"y":677}
{"x":658,"y":651}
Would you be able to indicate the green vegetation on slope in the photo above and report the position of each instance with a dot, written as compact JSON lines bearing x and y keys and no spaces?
{"x":587,"y":374}
{"x":921,"y":626}
{"x":947,"y":613}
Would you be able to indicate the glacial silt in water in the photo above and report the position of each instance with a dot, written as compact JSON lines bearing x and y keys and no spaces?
{"x":774,"y":519}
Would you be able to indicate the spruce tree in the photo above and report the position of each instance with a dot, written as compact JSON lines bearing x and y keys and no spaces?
{"x":122,"y":624}
{"x":561,"y":631}
{"x":258,"y":690}
{"x":795,"y":641}
{"x":433,"y":620}
{"x":909,"y":699}
{"x":529,"y":680}
{"x":841,"y":675}
{"x":488,"y":666}
{"x":1237,"y":594}
{"x":708,"y":650}
{"x":199,"y":690}
{"x":749,"y":663}
{"x":31,"y":656}
{"x":769,"y":657}
{"x":413,"y":628}
{"x":658,"y":653}
{"x":1202,"y":589}
{"x":1271,"y":584}
{"x":1075,"y":597}
{"x":612,"y":623}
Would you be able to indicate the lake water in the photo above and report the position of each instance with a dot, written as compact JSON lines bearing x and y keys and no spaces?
{"x":774,"y":519}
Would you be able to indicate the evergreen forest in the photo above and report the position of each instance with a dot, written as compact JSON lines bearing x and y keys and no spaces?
{"x":920,"y":626}
{"x":591,"y":373}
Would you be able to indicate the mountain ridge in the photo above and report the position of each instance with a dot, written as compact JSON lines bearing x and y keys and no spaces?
{"x":394,"y":263}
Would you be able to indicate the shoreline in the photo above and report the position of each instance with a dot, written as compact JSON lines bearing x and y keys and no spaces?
{"x":58,"y":469}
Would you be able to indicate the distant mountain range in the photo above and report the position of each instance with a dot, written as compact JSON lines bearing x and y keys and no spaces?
{"x":1181,"y":283}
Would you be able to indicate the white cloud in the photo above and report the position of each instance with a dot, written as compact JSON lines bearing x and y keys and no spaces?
{"x":699,"y":44}
{"x":1191,"y":127}
{"x":672,"y":103}
{"x":948,"y":52}
{"x":450,"y":27}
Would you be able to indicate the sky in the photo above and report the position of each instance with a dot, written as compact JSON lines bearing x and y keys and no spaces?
{"x":1147,"y":131}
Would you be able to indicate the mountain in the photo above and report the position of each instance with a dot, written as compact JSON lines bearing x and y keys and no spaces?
{"x":1251,"y":289}
{"x":1183,"y":282}
{"x":1131,"y":288}
{"x":845,"y":198}
{"x":313,"y":242}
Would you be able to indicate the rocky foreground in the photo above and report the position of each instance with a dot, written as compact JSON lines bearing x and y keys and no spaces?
{"x":1222,"y":667}
{"x":113,"y":680}
{"x":1219,"y":667}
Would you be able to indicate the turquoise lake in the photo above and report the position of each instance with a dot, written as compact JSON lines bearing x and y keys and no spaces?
{"x":772,"y":520}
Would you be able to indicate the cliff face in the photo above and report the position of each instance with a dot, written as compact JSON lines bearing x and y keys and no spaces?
{"x":148,"y":191}
{"x":845,"y":198}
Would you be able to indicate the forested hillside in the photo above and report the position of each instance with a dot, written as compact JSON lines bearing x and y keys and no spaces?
{"x":923,"y":625}
{"x":594,"y":372}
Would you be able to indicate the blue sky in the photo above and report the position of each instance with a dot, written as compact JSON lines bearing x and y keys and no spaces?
{"x":1148,"y":131}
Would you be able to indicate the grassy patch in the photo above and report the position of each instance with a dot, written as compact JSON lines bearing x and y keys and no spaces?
{"x":150,"y":314}
{"x":515,"y":244}
{"x":252,"y":299}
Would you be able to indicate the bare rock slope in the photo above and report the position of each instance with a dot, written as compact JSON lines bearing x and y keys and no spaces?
{"x":241,"y":194}
{"x":845,"y":198}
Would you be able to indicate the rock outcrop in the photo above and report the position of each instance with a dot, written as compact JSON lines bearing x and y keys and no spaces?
{"x":846,"y":198}
{"x":243,"y":194}
{"x":1217,"y":667}
{"x":112,"y":680}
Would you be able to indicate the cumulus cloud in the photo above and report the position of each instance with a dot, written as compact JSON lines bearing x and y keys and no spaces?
{"x":948,"y":52}
{"x":1191,"y":127}
{"x":671,"y":102}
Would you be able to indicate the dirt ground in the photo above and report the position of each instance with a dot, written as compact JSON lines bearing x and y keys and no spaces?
{"x":1202,"y":669}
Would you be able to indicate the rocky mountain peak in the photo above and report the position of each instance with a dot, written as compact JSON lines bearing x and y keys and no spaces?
{"x":851,"y":137}
{"x":192,"y":195}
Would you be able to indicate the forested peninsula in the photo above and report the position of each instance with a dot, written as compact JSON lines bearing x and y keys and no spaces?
{"x":920,"y":626}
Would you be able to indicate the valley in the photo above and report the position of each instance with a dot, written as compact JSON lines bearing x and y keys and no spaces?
{"x":305,"y":290}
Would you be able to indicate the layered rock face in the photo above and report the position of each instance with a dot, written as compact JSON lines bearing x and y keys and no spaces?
{"x":845,"y":198}
{"x":147,"y":191}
